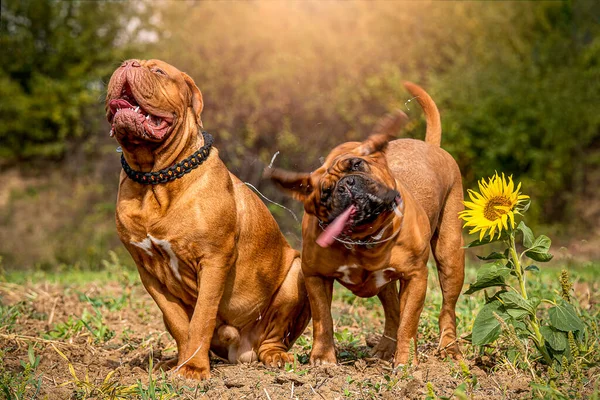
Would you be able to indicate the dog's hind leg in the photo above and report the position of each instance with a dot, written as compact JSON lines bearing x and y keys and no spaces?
{"x":386,"y":347}
{"x":447,"y":246}
{"x":285,"y":320}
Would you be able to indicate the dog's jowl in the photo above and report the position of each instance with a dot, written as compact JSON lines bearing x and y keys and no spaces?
{"x":373,"y":211}
{"x":207,"y":249}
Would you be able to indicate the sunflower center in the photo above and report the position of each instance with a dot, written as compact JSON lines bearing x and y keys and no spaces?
{"x":490,"y":212}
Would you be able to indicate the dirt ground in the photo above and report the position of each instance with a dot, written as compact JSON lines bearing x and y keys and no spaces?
{"x":139,"y":339}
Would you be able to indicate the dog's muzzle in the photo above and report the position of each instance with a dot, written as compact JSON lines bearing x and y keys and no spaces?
{"x":369,"y":198}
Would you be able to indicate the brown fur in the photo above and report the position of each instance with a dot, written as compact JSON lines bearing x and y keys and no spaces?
{"x":429,"y":183}
{"x":241,"y":290}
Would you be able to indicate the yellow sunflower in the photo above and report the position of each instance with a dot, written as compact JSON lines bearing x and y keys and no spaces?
{"x":494,"y":208}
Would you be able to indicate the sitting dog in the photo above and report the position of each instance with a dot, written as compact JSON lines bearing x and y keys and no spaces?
{"x":372,"y":211}
{"x":206,"y":248}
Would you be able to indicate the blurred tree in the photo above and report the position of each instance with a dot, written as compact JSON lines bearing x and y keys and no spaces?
{"x":522,"y":96}
{"x":56,"y":56}
{"x":517,"y":83}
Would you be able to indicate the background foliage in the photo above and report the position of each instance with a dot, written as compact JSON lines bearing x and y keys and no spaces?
{"x":517,"y":83}
{"x":56,"y":57}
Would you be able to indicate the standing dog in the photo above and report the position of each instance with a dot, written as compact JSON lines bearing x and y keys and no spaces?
{"x":372,"y":211}
{"x":207,"y":249}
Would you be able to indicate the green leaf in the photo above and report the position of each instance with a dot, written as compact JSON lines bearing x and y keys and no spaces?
{"x":539,"y":257}
{"x":489,"y":275}
{"x":532,"y":267}
{"x":494,"y":256}
{"x":564,"y":317}
{"x":541,"y":244}
{"x":555,"y":338}
{"x":520,"y":327}
{"x":538,"y":251}
{"x":527,"y":234}
{"x":486,"y":327}
{"x":477,"y":242}
{"x":517,"y":313}
{"x":461,"y":392}
{"x":514,"y":300}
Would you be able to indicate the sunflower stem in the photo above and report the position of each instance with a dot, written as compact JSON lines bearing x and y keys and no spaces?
{"x":538,"y":339}
{"x":517,"y":263}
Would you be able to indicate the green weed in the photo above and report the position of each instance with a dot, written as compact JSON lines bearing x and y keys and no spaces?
{"x":108,"y":388}
{"x":9,"y":315}
{"x":156,"y":390}
{"x":107,"y":302}
{"x":93,"y":323}
{"x":348,"y":345}
{"x":22,"y":385}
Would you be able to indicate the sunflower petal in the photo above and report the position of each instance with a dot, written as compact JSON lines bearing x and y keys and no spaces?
{"x":471,"y":205}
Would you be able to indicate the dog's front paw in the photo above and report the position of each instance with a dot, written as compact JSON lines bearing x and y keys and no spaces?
{"x":450,"y":349}
{"x":385,"y":349}
{"x":402,"y":358}
{"x":322,"y":357}
{"x":277,"y":358}
{"x":192,"y":372}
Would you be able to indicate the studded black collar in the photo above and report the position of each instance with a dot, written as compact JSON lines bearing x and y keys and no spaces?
{"x":174,"y":171}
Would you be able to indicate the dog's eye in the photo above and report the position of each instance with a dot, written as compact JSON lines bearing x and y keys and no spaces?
{"x":325,"y":193}
{"x":159,"y":71}
{"x":357,"y":164}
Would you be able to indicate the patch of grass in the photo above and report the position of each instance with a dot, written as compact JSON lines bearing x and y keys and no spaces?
{"x":348,"y":346}
{"x":112,"y":269}
{"x":369,"y":388}
{"x":161,"y":389}
{"x":294,"y":367}
{"x":94,"y":323}
{"x":107,"y":388}
{"x":69,"y":277}
{"x":9,"y":315}
{"x":107,"y":302}
{"x":25,"y":384}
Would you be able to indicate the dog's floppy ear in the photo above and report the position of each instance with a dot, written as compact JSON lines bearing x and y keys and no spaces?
{"x":373,"y":144}
{"x":382,"y":133}
{"x":297,"y":184}
{"x":197,"y":103}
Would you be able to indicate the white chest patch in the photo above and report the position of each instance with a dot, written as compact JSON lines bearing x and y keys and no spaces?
{"x":146,"y":245}
{"x":380,"y":278}
{"x":345,"y":269}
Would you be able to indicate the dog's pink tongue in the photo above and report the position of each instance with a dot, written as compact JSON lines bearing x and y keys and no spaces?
{"x":327,"y":238}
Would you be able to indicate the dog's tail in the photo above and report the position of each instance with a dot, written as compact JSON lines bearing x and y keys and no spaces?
{"x":433,"y":135}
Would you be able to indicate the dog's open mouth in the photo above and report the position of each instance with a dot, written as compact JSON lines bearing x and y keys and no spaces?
{"x":341,"y":223}
{"x":127,"y":115}
{"x":362,"y":211}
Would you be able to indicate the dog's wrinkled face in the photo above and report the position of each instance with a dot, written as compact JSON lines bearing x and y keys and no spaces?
{"x":147,"y":99}
{"x":352,"y":190}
